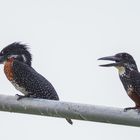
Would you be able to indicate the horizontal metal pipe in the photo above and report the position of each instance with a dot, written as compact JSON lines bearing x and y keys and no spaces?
{"x":69,"y":110}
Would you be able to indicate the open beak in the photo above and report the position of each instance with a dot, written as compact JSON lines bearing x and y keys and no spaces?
{"x":2,"y":59}
{"x":111,"y":58}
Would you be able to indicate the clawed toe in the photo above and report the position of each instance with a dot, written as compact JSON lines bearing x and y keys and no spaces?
{"x":130,"y":108}
{"x":19,"y":97}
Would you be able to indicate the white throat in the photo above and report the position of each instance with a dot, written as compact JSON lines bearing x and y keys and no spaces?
{"x":121,"y":70}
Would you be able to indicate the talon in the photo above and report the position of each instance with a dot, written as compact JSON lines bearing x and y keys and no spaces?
{"x":19,"y":97}
{"x":129,"y":108}
{"x":125,"y":109}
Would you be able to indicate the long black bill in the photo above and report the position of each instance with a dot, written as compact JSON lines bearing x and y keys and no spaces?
{"x":110,"y":58}
{"x":2,"y":59}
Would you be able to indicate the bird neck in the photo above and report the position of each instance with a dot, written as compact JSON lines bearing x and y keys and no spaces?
{"x":25,"y":58}
{"x":124,"y":74}
{"x":125,"y":70}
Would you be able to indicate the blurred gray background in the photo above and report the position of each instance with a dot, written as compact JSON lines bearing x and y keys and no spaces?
{"x":66,"y":38}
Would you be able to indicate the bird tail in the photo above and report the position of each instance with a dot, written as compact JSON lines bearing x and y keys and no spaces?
{"x":69,"y":121}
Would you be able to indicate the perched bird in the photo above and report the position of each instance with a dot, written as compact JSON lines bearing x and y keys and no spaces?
{"x":129,"y":75}
{"x":17,"y":68}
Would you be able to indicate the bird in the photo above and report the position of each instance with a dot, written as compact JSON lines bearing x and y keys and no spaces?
{"x":17,"y":61}
{"x":129,"y":75}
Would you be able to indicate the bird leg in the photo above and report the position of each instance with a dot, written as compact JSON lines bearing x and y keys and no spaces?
{"x":19,"y":97}
{"x":129,"y":108}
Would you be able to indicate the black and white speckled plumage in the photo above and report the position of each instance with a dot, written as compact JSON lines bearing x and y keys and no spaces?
{"x":135,"y":81}
{"x":17,"y":60}
{"x":129,"y":75}
{"x":25,"y":78}
{"x":32,"y":82}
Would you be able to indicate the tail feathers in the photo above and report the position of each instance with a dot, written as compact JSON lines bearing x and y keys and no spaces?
{"x":69,"y":121}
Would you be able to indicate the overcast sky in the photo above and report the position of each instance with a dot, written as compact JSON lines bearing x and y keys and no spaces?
{"x":66,"y":38}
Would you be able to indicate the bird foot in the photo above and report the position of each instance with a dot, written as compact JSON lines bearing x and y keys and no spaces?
{"x":19,"y":97}
{"x":130,"y":108}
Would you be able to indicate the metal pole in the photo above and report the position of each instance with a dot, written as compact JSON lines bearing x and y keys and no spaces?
{"x":69,"y":110}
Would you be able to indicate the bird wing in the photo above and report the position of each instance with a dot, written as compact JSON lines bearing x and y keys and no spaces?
{"x":135,"y":81}
{"x":31,"y":81}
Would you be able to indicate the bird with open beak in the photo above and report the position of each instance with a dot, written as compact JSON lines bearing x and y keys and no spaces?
{"x":129,"y":75}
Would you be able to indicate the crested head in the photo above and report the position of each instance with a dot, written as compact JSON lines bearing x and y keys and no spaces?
{"x":16,"y":51}
{"x":125,"y":58}
{"x":122,"y":61}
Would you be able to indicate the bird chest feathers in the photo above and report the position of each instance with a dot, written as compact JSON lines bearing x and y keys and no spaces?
{"x":8,"y":69}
